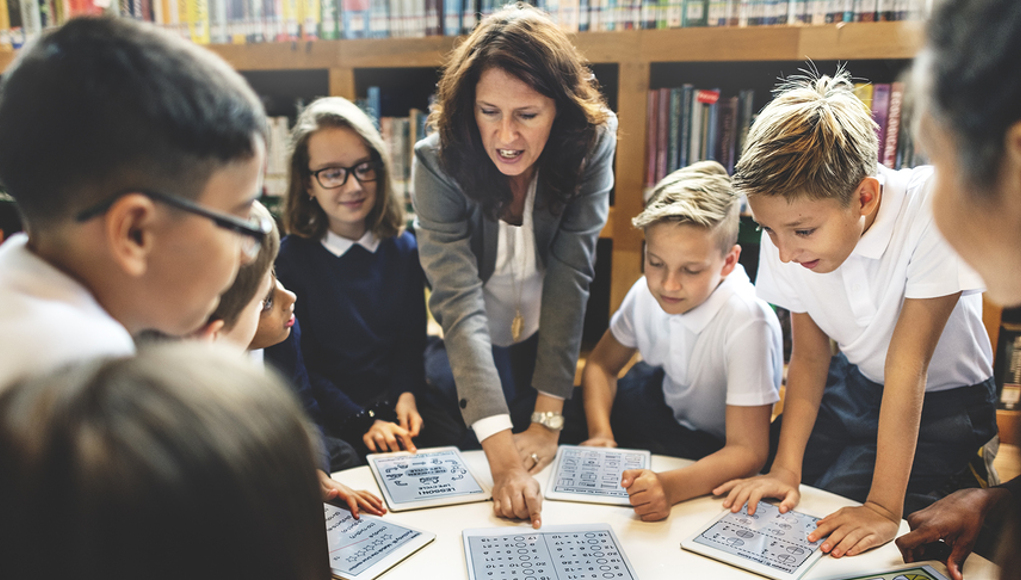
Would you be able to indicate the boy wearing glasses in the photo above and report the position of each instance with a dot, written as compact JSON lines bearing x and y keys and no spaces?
{"x":134,"y":158}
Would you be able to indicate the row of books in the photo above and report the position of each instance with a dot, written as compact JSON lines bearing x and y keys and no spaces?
{"x":896,"y":142}
{"x":687,"y":124}
{"x":245,"y":21}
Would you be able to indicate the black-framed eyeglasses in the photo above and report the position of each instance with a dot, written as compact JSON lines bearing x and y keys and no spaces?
{"x":335,"y":176}
{"x":253,"y":232}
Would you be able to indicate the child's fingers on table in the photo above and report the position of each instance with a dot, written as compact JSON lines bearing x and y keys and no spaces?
{"x":790,"y":500}
{"x":629,"y":477}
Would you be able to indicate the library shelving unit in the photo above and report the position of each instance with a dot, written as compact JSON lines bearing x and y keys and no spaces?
{"x":636,"y":59}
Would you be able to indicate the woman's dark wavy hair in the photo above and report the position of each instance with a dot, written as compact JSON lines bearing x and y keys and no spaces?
{"x":523,"y":42}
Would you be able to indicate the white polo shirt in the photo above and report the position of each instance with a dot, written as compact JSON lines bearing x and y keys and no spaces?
{"x":726,"y":351}
{"x":48,"y":319}
{"x":902,"y":255}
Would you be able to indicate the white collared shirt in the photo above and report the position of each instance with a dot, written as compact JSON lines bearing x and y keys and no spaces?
{"x":338,"y":245}
{"x":47,"y":318}
{"x":726,"y":351}
{"x":516,"y":283}
{"x":902,"y":255}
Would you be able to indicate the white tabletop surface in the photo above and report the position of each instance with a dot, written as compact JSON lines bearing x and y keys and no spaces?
{"x":652,"y":547}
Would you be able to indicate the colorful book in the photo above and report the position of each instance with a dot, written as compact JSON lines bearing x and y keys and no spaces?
{"x":893,"y":125}
{"x":651,"y":139}
{"x":695,"y":13}
{"x":662,"y":133}
{"x":881,"y":112}
{"x":684,"y":137}
{"x":355,"y":16}
{"x":727,"y":143}
{"x":674,"y":130}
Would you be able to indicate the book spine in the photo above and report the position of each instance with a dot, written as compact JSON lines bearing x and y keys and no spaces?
{"x":674,"y":125}
{"x":687,"y":98}
{"x":652,"y":109}
{"x":893,"y":124}
{"x":880,"y":113}
{"x":662,"y":133}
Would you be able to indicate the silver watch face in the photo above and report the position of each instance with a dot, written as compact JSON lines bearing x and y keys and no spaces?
{"x":550,"y":420}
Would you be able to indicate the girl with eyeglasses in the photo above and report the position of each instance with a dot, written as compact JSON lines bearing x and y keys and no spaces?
{"x":356,"y":274}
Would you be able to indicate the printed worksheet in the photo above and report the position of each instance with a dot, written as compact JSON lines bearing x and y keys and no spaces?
{"x":592,"y":474}
{"x":578,"y":552}
{"x":428,"y":478}
{"x":767,"y":542}
{"x":914,"y":571}
{"x":365,"y":548}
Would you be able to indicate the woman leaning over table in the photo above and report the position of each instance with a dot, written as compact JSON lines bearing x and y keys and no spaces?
{"x":511,"y":191}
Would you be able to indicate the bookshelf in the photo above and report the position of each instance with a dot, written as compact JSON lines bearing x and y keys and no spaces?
{"x":632,"y":57}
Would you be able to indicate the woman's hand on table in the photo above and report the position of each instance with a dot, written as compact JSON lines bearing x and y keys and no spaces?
{"x":853,"y":530}
{"x":647,"y":494}
{"x":537,"y":447}
{"x":516,"y":494}
{"x":778,"y":483}
{"x":362,"y":500}
{"x":955,"y":520}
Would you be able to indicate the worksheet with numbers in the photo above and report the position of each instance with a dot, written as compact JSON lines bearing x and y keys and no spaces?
{"x":767,"y":542}
{"x":576,"y":552}
{"x":931,"y":570}
{"x":363,"y":548}
{"x":593,"y":474}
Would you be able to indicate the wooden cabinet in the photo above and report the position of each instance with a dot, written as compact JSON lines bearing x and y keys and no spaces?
{"x":632,"y":54}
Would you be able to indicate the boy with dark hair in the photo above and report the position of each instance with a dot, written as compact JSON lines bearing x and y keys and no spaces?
{"x":134,"y":157}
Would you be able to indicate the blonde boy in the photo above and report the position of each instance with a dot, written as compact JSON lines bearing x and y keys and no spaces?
{"x":852,"y":251}
{"x":712,"y":351}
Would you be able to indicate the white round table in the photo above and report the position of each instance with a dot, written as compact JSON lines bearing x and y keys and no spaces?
{"x":652,"y":547}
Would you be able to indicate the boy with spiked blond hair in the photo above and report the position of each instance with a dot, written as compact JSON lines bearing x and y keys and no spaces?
{"x":712,"y":354}
{"x":850,"y":248}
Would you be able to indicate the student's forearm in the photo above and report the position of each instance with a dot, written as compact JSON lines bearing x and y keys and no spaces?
{"x":599,"y":388}
{"x":899,"y":417}
{"x":700,"y":478}
{"x":806,"y":380}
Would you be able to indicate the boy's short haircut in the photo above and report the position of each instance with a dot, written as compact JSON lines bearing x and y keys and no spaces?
{"x":699,"y":194}
{"x":185,"y":461}
{"x":815,"y":139}
{"x":101,"y":106}
{"x":249,"y":276}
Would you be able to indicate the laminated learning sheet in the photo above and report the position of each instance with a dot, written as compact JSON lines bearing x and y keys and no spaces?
{"x":363,"y":549}
{"x":429,"y":478}
{"x":767,"y":542}
{"x":592,"y":474}
{"x":576,"y":552}
{"x":914,"y":571}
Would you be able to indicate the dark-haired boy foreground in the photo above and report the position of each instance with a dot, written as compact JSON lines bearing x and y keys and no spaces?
{"x":134,"y":158}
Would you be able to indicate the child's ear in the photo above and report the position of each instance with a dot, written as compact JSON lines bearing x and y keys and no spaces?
{"x":210,"y":332}
{"x":730,"y":261}
{"x":867,"y":195}
{"x":128,"y":230}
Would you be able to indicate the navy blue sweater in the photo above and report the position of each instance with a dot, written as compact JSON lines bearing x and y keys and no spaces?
{"x":363,"y":321}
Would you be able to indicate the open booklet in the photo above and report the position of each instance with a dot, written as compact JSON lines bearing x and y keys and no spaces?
{"x":363,"y":549}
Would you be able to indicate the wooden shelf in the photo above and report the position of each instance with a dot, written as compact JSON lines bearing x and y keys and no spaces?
{"x":633,"y":51}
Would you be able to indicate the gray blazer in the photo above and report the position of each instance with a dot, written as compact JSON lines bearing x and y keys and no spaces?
{"x":457,"y":248}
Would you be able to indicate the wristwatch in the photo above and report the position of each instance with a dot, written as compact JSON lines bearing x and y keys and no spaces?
{"x":550,"y":419}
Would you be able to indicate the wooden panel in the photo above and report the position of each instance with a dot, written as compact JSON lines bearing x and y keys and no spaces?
{"x":280,"y":55}
{"x":861,"y":40}
{"x":991,"y":314}
{"x":1007,"y":421}
{"x":342,"y":83}
{"x":395,"y":52}
{"x":6,"y":57}
{"x":624,"y":46}
{"x":721,"y":44}
{"x":630,"y":179}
